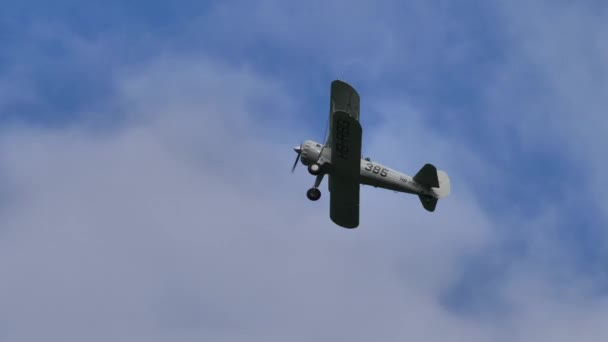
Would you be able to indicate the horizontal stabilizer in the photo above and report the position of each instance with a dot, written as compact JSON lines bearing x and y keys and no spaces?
{"x":427,"y":176}
{"x":428,"y":202}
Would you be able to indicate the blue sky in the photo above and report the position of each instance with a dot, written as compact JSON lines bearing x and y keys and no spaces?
{"x":144,"y":170}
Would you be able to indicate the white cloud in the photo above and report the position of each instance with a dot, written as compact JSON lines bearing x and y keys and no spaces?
{"x":186,"y":222}
{"x":183,"y":222}
{"x":562,"y":50}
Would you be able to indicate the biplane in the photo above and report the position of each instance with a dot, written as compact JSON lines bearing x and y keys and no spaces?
{"x":340,"y":158}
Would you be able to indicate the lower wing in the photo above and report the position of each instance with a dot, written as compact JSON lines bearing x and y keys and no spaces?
{"x":345,"y":170}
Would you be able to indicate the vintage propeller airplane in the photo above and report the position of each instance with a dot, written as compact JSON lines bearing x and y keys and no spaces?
{"x":340,"y":159}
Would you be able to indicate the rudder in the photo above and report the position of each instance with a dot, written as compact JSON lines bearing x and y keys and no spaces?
{"x":444,"y":185}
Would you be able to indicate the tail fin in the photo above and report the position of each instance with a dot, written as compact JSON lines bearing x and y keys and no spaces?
{"x":427,"y":176}
{"x":437,"y":180}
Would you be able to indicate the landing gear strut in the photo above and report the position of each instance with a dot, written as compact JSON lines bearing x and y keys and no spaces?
{"x":313,"y":194}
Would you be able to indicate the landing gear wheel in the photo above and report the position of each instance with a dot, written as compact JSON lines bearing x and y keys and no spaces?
{"x":313,"y":194}
{"x":314,"y":169}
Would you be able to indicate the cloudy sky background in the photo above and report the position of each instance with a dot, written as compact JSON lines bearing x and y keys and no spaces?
{"x":145,"y":192}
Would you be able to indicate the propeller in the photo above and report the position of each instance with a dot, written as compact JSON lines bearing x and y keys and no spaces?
{"x":298,"y":150}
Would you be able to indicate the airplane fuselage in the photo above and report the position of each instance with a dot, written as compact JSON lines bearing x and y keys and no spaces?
{"x":372,"y":173}
{"x":380,"y":176}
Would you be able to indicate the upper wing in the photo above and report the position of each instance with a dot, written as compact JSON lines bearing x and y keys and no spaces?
{"x":345,"y":170}
{"x":345,"y":98}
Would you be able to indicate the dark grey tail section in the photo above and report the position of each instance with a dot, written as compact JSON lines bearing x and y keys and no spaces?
{"x":427,"y":176}
{"x":428,"y":202}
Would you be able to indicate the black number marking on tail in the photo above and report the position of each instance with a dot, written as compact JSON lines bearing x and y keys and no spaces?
{"x":377,"y":169}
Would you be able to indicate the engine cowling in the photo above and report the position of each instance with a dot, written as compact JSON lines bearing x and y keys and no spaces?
{"x":310,"y":152}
